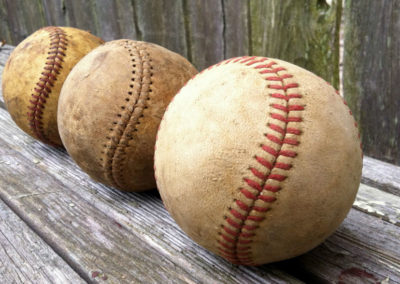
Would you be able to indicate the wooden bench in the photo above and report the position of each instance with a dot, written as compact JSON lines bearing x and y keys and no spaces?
{"x":59,"y":226}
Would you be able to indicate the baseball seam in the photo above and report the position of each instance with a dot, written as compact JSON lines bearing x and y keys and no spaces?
{"x":122,"y":131}
{"x":43,"y":88}
{"x":241,"y":221}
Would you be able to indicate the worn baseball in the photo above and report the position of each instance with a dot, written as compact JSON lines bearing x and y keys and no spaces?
{"x":258,"y":160}
{"x":110,"y":108}
{"x":34,"y":74}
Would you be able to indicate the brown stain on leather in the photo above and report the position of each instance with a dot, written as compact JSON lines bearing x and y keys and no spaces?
{"x":110,"y":108}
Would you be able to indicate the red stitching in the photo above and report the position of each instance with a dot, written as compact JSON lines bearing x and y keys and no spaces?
{"x":263,"y":161}
{"x":253,"y":184}
{"x":257,"y":173}
{"x":233,"y":223}
{"x":237,"y":214}
{"x":247,"y":235}
{"x":286,"y":119}
{"x":248,"y":194}
{"x":242,"y":205}
{"x":237,"y":249}
{"x":284,"y":87}
{"x":267,"y":198}
{"x":58,"y":42}
{"x":270,"y":150}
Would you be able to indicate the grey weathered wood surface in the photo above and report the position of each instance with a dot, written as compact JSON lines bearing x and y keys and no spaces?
{"x":109,"y":236}
{"x":25,"y":257}
{"x":371,"y":74}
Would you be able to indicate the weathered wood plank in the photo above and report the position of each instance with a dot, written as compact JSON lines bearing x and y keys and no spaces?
{"x":4,"y":28}
{"x":107,"y":19}
{"x":25,"y":257}
{"x":371,"y":73}
{"x":55,"y":12}
{"x":126,"y":19}
{"x":81,"y":14}
{"x":305,"y":33}
{"x":95,"y":228}
{"x":363,"y":250}
{"x":381,"y":175}
{"x":162,"y":22}
{"x":236,"y":28}
{"x":15,"y":20}
{"x":381,"y":204}
{"x":204,"y":32}
{"x":33,"y":14}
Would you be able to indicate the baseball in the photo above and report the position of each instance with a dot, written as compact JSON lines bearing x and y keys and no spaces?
{"x":34,"y":74}
{"x":258,"y":160}
{"x":110,"y":108}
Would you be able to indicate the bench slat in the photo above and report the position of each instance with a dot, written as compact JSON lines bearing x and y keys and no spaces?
{"x":26,"y":258}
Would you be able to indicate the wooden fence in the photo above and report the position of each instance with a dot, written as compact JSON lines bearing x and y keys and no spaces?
{"x":304,"y":32}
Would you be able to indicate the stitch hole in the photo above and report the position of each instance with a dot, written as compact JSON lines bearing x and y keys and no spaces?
{"x":127,"y":99}
{"x":131,"y":86}
{"x":122,"y":107}
{"x":130,"y":93}
{"x":119,"y":115}
{"x":133,"y":79}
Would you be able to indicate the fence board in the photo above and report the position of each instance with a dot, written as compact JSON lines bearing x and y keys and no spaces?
{"x":371,"y":74}
{"x":81,"y":14}
{"x":305,"y":33}
{"x":162,"y":22}
{"x":107,"y":19}
{"x":4,"y":28}
{"x":25,"y":257}
{"x":55,"y":12}
{"x":126,"y":19}
{"x":204,"y":24}
{"x":236,"y":28}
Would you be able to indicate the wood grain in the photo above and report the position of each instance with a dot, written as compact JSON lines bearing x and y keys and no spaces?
{"x":305,"y":33}
{"x":55,"y":12}
{"x":162,"y":22}
{"x":371,"y":74}
{"x":25,"y":257}
{"x":381,"y":175}
{"x":237,"y":32}
{"x":204,"y":32}
{"x":5,"y":34}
